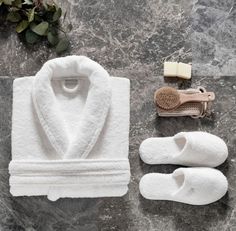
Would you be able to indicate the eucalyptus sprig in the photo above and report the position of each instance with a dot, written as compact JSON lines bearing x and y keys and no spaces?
{"x":36,"y":20}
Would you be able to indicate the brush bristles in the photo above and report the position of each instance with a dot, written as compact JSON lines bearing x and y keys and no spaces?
{"x":167,"y":98}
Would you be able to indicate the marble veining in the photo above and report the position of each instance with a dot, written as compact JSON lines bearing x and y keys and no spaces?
{"x":132,"y":39}
{"x":213,"y":37}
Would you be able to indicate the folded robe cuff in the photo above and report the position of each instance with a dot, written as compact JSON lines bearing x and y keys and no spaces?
{"x":69,"y":178}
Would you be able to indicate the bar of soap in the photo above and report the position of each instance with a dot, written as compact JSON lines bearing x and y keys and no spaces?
{"x":175,"y":69}
{"x":170,"y":69}
{"x":184,"y":70}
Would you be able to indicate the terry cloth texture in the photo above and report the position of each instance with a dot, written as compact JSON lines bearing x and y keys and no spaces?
{"x":70,"y":139}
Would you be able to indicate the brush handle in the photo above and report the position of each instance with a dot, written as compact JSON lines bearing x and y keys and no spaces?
{"x":197,"y":97}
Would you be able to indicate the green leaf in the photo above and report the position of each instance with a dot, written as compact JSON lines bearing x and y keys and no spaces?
{"x":13,"y":16}
{"x":31,"y":15}
{"x":62,"y":45}
{"x":22,"y":26}
{"x":28,"y":2}
{"x":41,"y":28}
{"x":17,"y":3}
{"x":57,"y":15}
{"x":54,"y":30}
{"x":52,"y":38}
{"x":31,"y":37}
{"x":32,"y":25}
{"x":8,"y":2}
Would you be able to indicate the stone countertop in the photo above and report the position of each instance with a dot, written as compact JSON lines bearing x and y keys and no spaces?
{"x":213,"y":37}
{"x":130,"y":39}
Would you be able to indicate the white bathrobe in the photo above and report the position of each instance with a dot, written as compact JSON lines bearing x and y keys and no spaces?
{"x":70,"y":140}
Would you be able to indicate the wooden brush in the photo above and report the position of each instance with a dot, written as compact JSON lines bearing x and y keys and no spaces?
{"x":169,"y":98}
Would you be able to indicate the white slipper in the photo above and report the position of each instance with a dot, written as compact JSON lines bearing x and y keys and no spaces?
{"x":196,"y":186}
{"x":185,"y":148}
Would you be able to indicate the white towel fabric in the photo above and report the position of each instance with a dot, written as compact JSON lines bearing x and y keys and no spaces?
{"x":185,"y":148}
{"x":196,"y":186}
{"x":70,"y":140}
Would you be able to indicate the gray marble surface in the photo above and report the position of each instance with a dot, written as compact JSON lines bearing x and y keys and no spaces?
{"x":121,"y":35}
{"x":132,"y":39}
{"x":213,"y":37}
